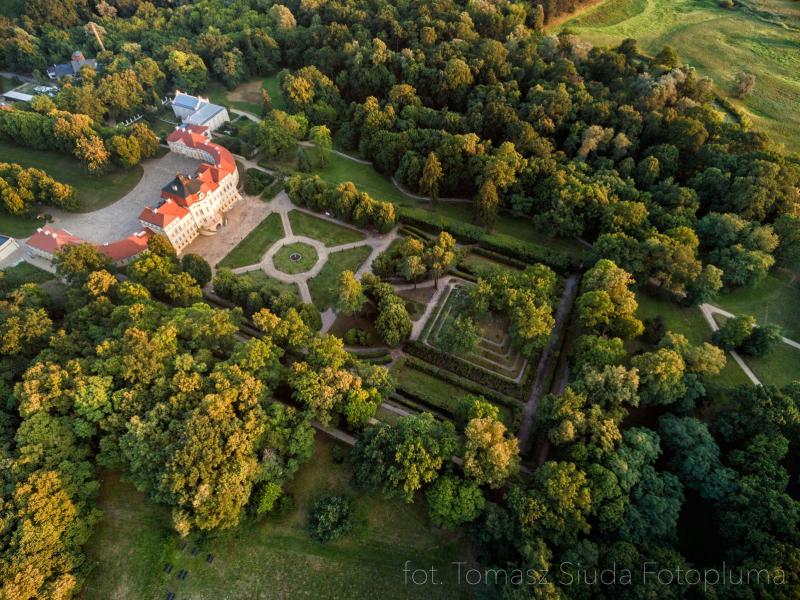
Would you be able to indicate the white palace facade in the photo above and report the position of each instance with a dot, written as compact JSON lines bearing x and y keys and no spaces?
{"x":189,"y":206}
{"x":193,"y":205}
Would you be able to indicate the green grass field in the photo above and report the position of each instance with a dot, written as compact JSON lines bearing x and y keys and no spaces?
{"x":443,"y":395}
{"x":776,"y":299}
{"x":365,"y":178}
{"x":283,"y":258}
{"x":759,"y":36}
{"x":324,"y":287}
{"x":247,"y":96}
{"x":780,"y":367}
{"x":262,"y":279}
{"x":18,"y":227}
{"x":270,"y":558}
{"x":250,"y":250}
{"x":25,"y":272}
{"x":93,"y":192}
{"x":690,"y":322}
{"x":326,"y":232}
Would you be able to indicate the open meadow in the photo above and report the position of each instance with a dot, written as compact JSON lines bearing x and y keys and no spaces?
{"x":758,"y":36}
{"x":272,"y":557}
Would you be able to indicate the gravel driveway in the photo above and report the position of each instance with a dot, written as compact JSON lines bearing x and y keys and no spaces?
{"x":121,"y":219}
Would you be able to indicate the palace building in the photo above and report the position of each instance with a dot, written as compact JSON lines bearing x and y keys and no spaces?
{"x":193,"y":205}
{"x":190,"y":205}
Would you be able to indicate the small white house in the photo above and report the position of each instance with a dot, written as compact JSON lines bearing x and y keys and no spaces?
{"x":196,"y":110}
{"x":8,"y":246}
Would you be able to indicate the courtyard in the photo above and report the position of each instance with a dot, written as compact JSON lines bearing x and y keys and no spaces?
{"x":120,"y":219}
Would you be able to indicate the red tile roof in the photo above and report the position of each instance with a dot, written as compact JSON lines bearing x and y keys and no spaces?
{"x":51,"y":240}
{"x":163,"y":214}
{"x":128,"y":247}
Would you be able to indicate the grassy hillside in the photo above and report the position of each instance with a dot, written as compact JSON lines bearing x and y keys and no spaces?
{"x":271,"y":557}
{"x":759,"y":36}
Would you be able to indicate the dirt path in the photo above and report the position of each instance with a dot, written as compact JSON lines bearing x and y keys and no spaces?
{"x":546,"y":365}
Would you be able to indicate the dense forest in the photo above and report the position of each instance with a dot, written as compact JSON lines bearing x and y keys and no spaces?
{"x":630,"y":153}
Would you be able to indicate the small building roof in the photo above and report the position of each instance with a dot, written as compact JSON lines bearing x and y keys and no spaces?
{"x":51,"y":240}
{"x":127,"y":247}
{"x":18,"y":96}
{"x":204,"y":114}
{"x":187,"y":101}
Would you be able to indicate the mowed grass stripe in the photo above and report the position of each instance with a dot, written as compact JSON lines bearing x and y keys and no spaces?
{"x":250,"y":250}
{"x":330,"y":234}
{"x":324,"y":287}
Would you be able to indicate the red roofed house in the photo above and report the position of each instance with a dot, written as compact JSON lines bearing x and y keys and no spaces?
{"x":193,"y":205}
{"x":47,"y":241}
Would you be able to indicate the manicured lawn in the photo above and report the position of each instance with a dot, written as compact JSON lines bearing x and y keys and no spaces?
{"x":326,"y":232}
{"x":481,"y":264}
{"x":264,"y":280}
{"x":18,"y":227}
{"x":365,"y":178}
{"x":272,"y":557}
{"x":518,"y":227}
{"x":754,"y":36}
{"x":441,"y":394}
{"x":776,"y":299}
{"x":247,"y":96}
{"x":250,"y":250}
{"x":25,"y":272}
{"x":324,"y":287}
{"x":689,"y":321}
{"x":295,"y":258}
{"x":273,"y":87}
{"x":780,"y":367}
{"x":93,"y":192}
{"x":129,"y":545}
{"x":447,"y":396}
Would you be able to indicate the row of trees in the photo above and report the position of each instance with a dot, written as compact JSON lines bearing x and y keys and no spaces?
{"x":21,"y":187}
{"x":343,"y":200}
{"x":78,"y":135}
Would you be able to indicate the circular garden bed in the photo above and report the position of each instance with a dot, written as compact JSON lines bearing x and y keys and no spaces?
{"x":295,"y":258}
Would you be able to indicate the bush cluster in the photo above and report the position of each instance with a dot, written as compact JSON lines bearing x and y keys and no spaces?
{"x":256,"y":181}
{"x":330,"y":518}
{"x":501,"y":244}
{"x":252,"y":297}
{"x":343,"y":200}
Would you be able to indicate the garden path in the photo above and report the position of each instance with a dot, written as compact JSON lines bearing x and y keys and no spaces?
{"x":282,"y":205}
{"x":546,"y":362}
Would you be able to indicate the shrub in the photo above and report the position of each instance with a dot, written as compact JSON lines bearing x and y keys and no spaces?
{"x":196,"y":266}
{"x":498,"y":243}
{"x":330,"y":518}
{"x":453,"y":501}
{"x":356,"y":337}
{"x":255,"y":181}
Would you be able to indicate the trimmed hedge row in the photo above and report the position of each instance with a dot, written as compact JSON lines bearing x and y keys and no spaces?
{"x":409,"y":402}
{"x":496,"y":242}
{"x":462,"y":382}
{"x":511,"y":262}
{"x":465,"y":369}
